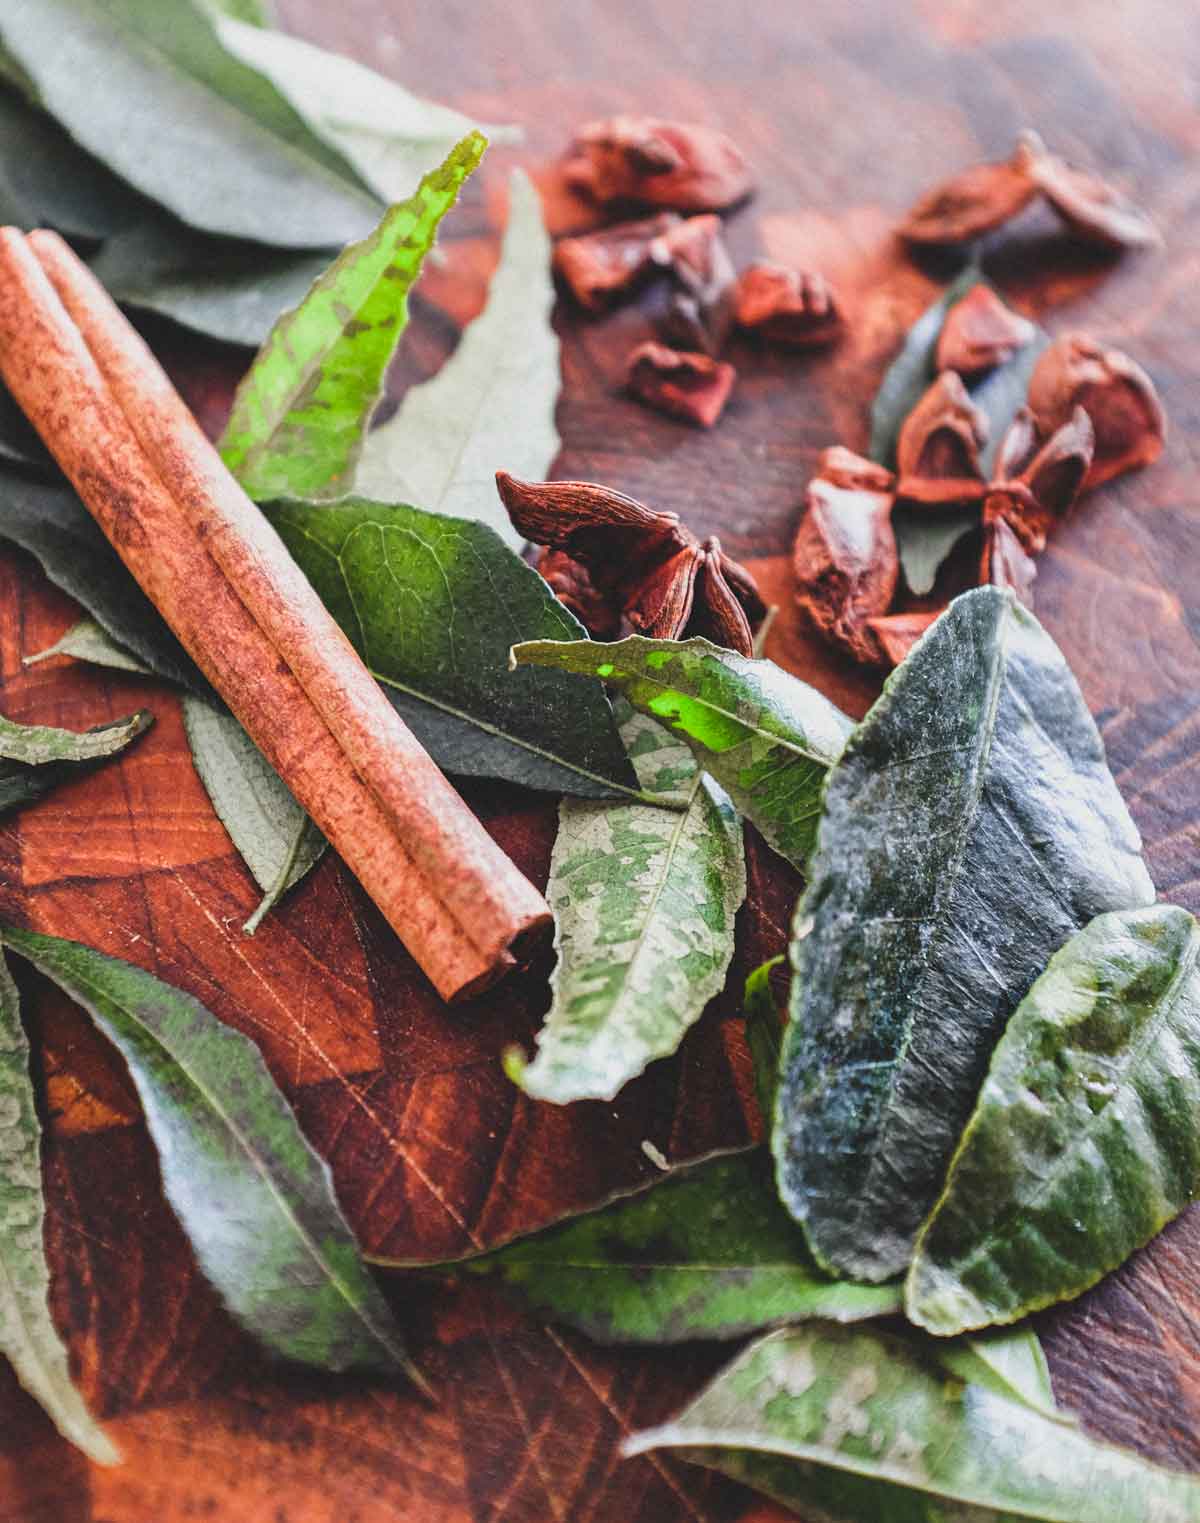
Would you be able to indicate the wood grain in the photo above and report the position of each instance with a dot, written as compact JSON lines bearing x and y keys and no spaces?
{"x":847,"y":112}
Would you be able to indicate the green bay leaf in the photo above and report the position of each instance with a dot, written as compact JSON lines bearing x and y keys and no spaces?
{"x":301,"y":410}
{"x":856,"y":1425}
{"x":704,"y":1252}
{"x":644,"y":900}
{"x":211,"y":140}
{"x":1011,"y":1361}
{"x":764,"y":1034}
{"x":491,"y":406}
{"x":91,"y":642}
{"x":433,"y":604}
{"x":255,"y":1200}
{"x":969,"y":829}
{"x":1085,"y":1140}
{"x":36,"y":758}
{"x":28,"y":1338}
{"x":767,"y":738}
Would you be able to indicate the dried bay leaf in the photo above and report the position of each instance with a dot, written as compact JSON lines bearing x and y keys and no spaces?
{"x":644,"y":900}
{"x":300,"y":412}
{"x":969,"y":829}
{"x":274,"y":836}
{"x":491,"y":406}
{"x":89,"y":641}
{"x":856,"y":1425}
{"x":705,"y":1252}
{"x":36,"y":758}
{"x":255,"y":1200}
{"x":1085,"y":1140}
{"x":767,"y":738}
{"x":432,"y":605}
{"x":28,"y":1337}
{"x":211,"y":140}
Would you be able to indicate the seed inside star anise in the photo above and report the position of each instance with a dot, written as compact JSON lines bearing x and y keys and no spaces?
{"x":646,"y":567}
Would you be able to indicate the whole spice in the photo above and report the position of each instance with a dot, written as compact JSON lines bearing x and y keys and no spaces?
{"x":691,"y":386}
{"x":223,"y":581}
{"x":845,"y":556}
{"x":601,"y":267}
{"x":784,"y":306}
{"x":701,"y":310}
{"x":1117,"y":394}
{"x":650,"y":569}
{"x":940,"y":441}
{"x":981,"y":332}
{"x":680,"y":165}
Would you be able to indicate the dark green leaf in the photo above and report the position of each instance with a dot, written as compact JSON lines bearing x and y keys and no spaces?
{"x":491,"y":405}
{"x":276,"y":839}
{"x":19,"y":442}
{"x":301,"y":410}
{"x":52,"y":524}
{"x":644,"y":902}
{"x":970,"y":828}
{"x":766,"y":738}
{"x":256,"y":1201}
{"x":1086,"y":1137}
{"x":433,"y":604}
{"x":211,"y":140}
{"x":36,"y":758}
{"x":764,"y":1034}
{"x":854,"y":1425}
{"x":704,"y":1252}
{"x":27,"y":1335}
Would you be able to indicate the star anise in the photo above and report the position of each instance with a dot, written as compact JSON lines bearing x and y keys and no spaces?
{"x":680,"y":165}
{"x":683,"y":384}
{"x":700,"y":313}
{"x":797,"y":308}
{"x":981,"y":332}
{"x":602,"y":267}
{"x":646,"y":567}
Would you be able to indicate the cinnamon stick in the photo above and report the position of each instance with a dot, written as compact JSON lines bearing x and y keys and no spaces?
{"x":225,"y":583}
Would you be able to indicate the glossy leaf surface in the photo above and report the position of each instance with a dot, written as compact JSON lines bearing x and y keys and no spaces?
{"x":970,"y":828}
{"x":767,"y":738}
{"x":644,"y":901}
{"x":1086,"y":1137}
{"x":301,"y":410}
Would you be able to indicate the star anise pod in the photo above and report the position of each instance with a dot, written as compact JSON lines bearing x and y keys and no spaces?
{"x":785,"y":306}
{"x":1094,"y":210}
{"x":1032,"y":487}
{"x":937,"y":451}
{"x":701,"y":309}
{"x":648,"y":568}
{"x":604,"y":266}
{"x":683,"y":166}
{"x":981,"y":332}
{"x":679,"y":382}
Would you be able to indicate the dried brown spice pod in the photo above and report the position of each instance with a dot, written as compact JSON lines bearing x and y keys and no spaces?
{"x":977,"y":200}
{"x":981,"y":332}
{"x":897,"y":633}
{"x":846,"y":564}
{"x":1117,"y":394}
{"x":680,"y":165}
{"x":571,"y":584}
{"x":843,"y":468}
{"x":1047,"y":488}
{"x":786,"y":306}
{"x":701,"y":310}
{"x":942,"y":436}
{"x":1094,"y":210}
{"x":1003,"y":561}
{"x":599,"y":268}
{"x":682,"y":383}
{"x":645,"y":566}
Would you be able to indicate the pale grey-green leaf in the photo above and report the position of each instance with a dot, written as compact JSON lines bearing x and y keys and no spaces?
{"x":91,"y":642}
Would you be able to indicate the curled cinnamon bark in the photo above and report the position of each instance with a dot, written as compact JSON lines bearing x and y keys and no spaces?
{"x":1117,"y":394}
{"x":601,"y":267}
{"x":679,"y":165}
{"x":224,"y":582}
{"x":686,"y":385}
{"x":981,"y":332}
{"x":797,"y":308}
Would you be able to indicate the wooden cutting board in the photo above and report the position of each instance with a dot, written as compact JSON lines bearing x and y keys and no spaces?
{"x":847,"y":112}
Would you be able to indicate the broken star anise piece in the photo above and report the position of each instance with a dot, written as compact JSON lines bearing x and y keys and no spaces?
{"x":645,"y":567}
{"x":1003,"y":561}
{"x":897,"y":633}
{"x":976,"y":201}
{"x":981,"y":332}
{"x":701,"y":310}
{"x":1095,"y":211}
{"x":845,"y":556}
{"x":939,"y":443}
{"x":784,"y":306}
{"x":570,"y":583}
{"x":1044,"y":491}
{"x":680,"y":165}
{"x":601,"y":267}
{"x":1117,"y":394}
{"x":681,"y":383}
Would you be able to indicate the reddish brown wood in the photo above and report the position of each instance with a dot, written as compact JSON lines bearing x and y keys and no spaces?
{"x":846,"y":114}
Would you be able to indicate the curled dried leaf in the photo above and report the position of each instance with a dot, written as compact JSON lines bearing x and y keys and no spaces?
{"x":1094,"y":210}
{"x":681,"y":383}
{"x":786,"y":306}
{"x":1004,"y":563}
{"x":846,"y":565}
{"x":1117,"y":394}
{"x":942,"y":436}
{"x":599,"y":268}
{"x":701,"y":310}
{"x":897,"y":633}
{"x":981,"y":332}
{"x":976,"y":201}
{"x":680,"y":165}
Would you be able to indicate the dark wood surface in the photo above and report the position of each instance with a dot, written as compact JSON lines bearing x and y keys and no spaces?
{"x":846,"y":111}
